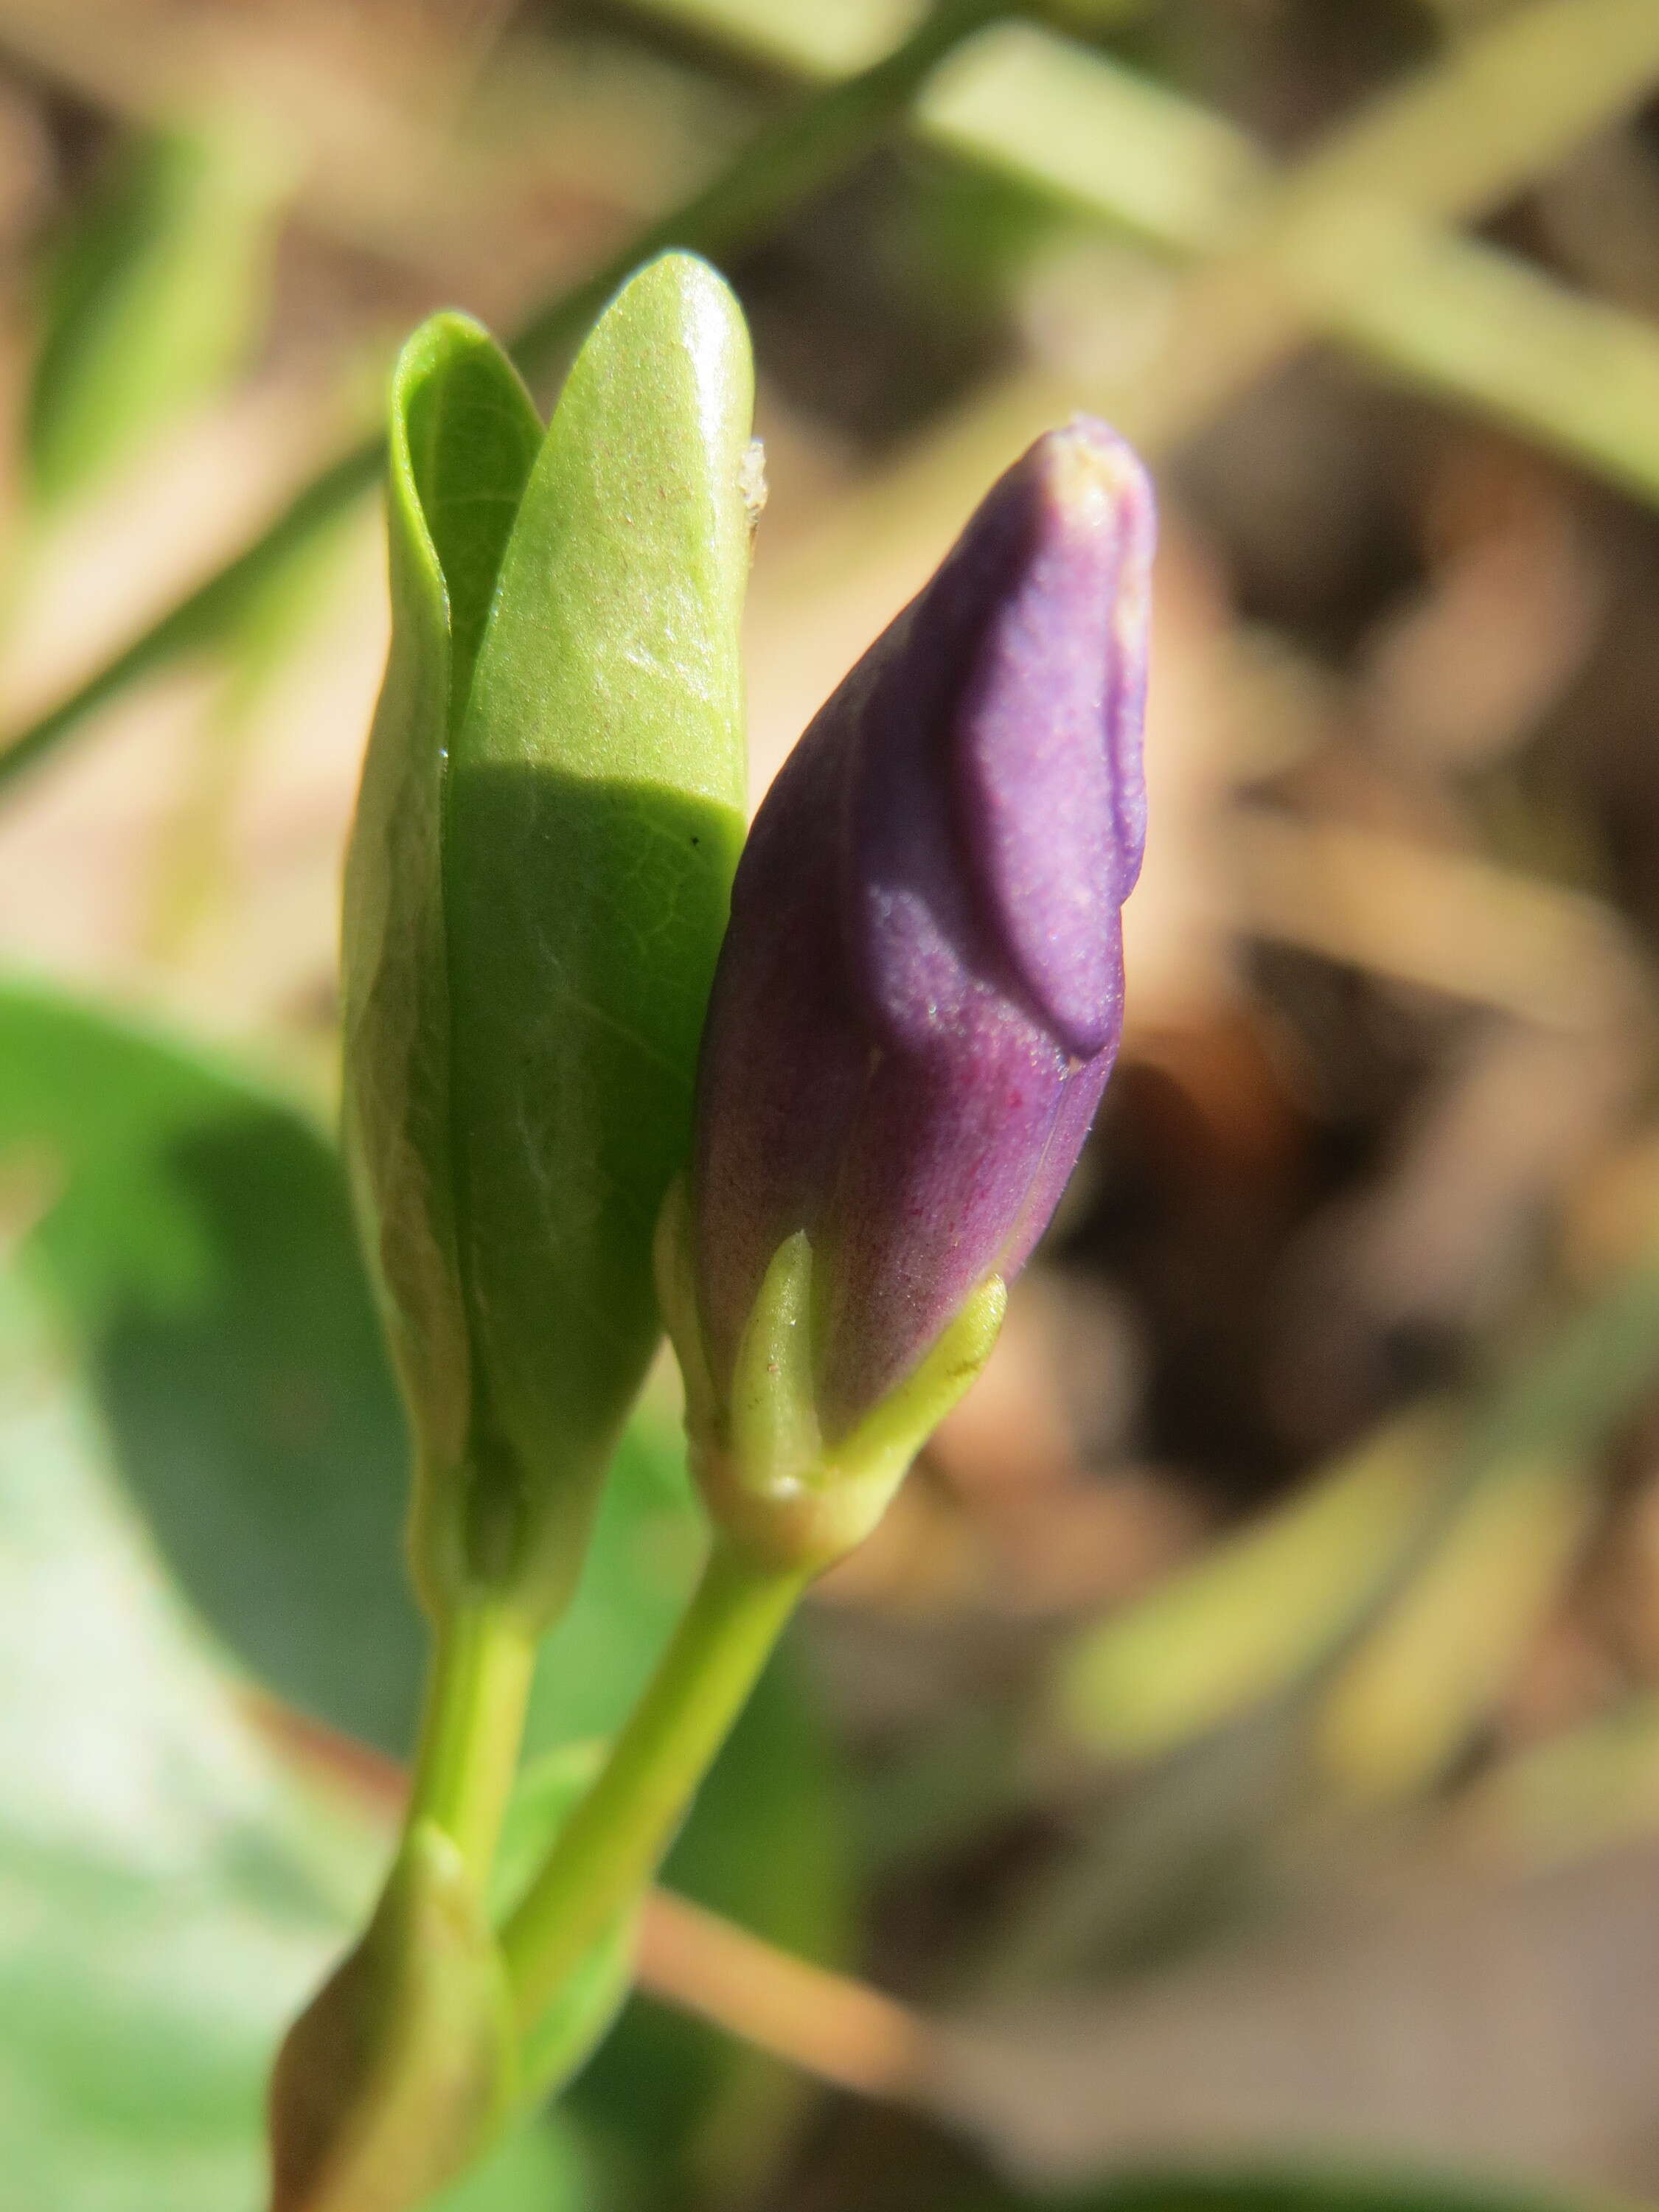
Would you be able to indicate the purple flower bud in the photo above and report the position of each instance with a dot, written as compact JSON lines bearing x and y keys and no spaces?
{"x":920,"y":991}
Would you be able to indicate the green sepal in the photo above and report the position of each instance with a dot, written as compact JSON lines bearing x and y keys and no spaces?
{"x":769,"y":1478}
{"x":405,"y":2062}
{"x":551,"y":813}
{"x":463,"y":437}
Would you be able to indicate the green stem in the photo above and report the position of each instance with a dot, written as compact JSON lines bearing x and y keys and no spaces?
{"x":780,"y":167}
{"x":472,"y":1726}
{"x":610,"y":1847}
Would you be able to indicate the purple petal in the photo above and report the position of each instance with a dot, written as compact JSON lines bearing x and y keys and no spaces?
{"x":1051,"y":796}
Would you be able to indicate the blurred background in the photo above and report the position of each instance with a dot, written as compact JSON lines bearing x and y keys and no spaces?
{"x":1230,"y":1778}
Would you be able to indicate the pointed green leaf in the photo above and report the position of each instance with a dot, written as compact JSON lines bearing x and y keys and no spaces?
{"x":593,"y":815}
{"x":464,"y":436}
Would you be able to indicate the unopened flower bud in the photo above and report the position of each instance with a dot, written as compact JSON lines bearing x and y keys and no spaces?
{"x":918,"y":1000}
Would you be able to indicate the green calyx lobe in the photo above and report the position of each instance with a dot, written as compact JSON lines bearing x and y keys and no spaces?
{"x":405,"y":2062}
{"x":781,"y":1491}
{"x":551,"y":810}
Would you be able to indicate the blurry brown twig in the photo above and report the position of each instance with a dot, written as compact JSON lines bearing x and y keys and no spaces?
{"x":838,"y":2030}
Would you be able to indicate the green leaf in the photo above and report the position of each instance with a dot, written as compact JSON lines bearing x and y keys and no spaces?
{"x":537,"y":890}
{"x":593,"y":816}
{"x":464,"y":436}
{"x":154,"y":298}
{"x":195,"y":1230}
{"x":170,"y":1892}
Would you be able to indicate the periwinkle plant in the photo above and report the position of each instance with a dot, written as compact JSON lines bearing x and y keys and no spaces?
{"x":915,"y":1009}
{"x":536,"y":888}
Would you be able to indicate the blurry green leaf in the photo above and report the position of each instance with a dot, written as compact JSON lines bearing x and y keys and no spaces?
{"x":155,"y":296}
{"x":195,"y":1227}
{"x":1257,"y":1611}
{"x":166,"y":1893}
{"x":197,"y":1232}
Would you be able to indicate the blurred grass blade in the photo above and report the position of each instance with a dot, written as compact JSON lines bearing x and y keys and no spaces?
{"x":786,"y":163}
{"x":1460,"y":318}
{"x":1259,"y":1610}
{"x":195,"y":871}
{"x":154,"y":298}
{"x":1405,"y":1519}
{"x":1582,"y":1792}
{"x":1452,"y":141}
{"x":1423,"y":1681}
{"x":1094,"y":136}
{"x":1349,"y":242}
